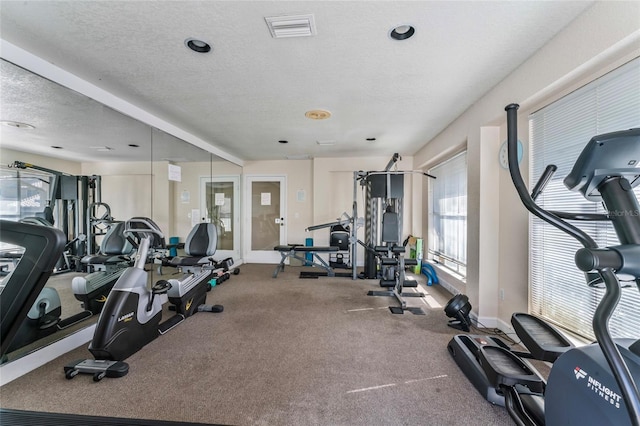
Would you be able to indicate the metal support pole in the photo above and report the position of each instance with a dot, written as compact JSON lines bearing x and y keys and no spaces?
{"x":354,"y":229}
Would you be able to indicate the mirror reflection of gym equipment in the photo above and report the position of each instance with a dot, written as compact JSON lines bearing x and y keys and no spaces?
{"x":66,"y":205}
{"x":95,"y":245}
{"x":92,"y":121}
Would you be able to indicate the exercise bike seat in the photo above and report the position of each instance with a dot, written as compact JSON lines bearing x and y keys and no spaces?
{"x":200,"y":245}
{"x":114,"y":245}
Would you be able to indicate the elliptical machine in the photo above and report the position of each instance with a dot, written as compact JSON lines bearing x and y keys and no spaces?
{"x":596,"y":383}
{"x":132,"y":314}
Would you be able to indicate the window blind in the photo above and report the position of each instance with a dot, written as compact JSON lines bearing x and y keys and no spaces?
{"x":558,"y":133}
{"x":448,"y":214}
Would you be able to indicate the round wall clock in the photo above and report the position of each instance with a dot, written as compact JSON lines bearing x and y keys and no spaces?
{"x":504,"y":161}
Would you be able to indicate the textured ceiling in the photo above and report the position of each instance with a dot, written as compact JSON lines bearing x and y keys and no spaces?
{"x":253,"y":90}
{"x":83,"y":129}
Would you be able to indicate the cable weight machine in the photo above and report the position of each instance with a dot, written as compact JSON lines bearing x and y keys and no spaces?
{"x":70,"y":207}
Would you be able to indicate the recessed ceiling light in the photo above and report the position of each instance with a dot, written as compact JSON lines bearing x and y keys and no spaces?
{"x":402,"y":32}
{"x":317,"y":114}
{"x":283,"y":141}
{"x":18,"y":125}
{"x":326,"y":143}
{"x":197,"y":45}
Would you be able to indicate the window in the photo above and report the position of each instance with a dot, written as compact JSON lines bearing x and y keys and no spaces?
{"x":23,"y":193}
{"x":558,"y":133}
{"x":448,"y":214}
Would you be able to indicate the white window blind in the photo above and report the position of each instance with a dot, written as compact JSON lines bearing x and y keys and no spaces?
{"x":558,"y":133}
{"x":448,"y":214}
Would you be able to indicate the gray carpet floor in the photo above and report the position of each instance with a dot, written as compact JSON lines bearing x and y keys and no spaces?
{"x":285,"y":351}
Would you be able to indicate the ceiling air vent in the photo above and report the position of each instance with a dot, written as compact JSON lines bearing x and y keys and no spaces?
{"x":291,"y":26}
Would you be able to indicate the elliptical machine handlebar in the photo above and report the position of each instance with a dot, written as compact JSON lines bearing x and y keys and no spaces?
{"x":611,"y":297}
{"x":527,"y":200}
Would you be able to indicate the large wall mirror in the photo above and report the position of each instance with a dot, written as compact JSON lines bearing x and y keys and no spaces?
{"x":70,"y":162}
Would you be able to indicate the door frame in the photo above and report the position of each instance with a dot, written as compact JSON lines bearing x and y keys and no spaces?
{"x":236,"y":253}
{"x":262,"y":256}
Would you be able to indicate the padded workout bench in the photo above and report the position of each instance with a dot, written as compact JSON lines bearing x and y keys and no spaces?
{"x":297,"y":251}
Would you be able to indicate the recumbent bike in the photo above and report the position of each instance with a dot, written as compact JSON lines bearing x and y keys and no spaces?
{"x":132,"y":314}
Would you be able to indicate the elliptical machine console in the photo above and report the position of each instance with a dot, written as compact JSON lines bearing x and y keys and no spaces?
{"x":132,"y":314}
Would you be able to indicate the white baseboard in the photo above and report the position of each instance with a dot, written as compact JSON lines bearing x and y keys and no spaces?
{"x":21,"y":366}
{"x":447,"y":286}
{"x":492,"y":322}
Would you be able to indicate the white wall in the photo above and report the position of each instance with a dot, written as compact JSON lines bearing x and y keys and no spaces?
{"x":126,"y":187}
{"x":603,"y":37}
{"x":8,"y":156}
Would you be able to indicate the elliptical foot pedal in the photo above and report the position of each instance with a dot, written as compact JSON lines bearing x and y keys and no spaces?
{"x":503,"y":367}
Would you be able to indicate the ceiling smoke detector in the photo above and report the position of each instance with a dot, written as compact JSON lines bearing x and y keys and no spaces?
{"x":317,"y":114}
{"x":291,"y":26}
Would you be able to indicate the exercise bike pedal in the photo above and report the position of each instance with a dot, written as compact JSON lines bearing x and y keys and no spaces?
{"x":161,"y":287}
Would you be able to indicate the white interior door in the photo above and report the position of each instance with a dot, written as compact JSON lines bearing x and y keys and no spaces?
{"x":219,"y":200}
{"x":265,"y":224}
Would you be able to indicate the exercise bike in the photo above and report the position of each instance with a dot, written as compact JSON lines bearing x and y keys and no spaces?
{"x":132,"y":314}
{"x":596,"y":383}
